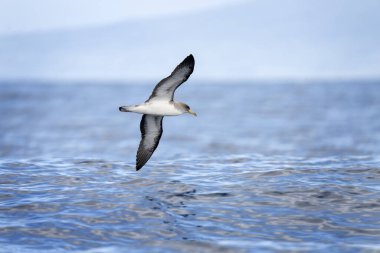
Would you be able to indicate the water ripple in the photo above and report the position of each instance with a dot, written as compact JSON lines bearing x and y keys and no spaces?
{"x":243,"y":203}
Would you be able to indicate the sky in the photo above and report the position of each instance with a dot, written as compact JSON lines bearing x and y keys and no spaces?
{"x":19,"y":16}
{"x":231,"y":40}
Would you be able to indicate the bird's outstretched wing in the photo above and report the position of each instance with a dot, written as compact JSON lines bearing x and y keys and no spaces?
{"x":165,"y":89}
{"x":151,"y":131}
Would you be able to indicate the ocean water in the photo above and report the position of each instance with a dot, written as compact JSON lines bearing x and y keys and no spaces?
{"x":274,"y":167}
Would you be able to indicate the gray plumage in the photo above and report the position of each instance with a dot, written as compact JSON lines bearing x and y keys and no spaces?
{"x":166,"y":87}
{"x":160,"y":104}
{"x":151,"y":132}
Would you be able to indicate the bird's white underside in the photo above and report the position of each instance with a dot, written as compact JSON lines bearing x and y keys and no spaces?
{"x":156,"y":107}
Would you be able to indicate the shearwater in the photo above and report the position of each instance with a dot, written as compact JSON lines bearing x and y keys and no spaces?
{"x":160,"y":103}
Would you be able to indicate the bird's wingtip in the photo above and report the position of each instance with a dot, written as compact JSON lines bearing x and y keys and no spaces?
{"x":189,"y":60}
{"x":138,"y":167}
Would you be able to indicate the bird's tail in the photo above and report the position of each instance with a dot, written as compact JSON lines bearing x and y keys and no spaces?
{"x":124,"y":109}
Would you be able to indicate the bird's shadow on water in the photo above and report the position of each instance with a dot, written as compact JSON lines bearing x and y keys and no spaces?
{"x":179,"y":209}
{"x":154,"y":189}
{"x":151,"y":194}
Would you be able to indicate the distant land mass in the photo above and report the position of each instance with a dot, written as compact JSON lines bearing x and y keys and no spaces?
{"x":259,"y":39}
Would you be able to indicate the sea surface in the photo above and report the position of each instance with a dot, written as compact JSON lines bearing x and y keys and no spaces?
{"x":265,"y":167}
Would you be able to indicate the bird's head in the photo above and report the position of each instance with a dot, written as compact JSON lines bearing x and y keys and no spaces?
{"x":186,"y":109}
{"x":191,"y":112}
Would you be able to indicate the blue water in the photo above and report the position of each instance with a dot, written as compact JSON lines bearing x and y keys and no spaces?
{"x":273,"y":167}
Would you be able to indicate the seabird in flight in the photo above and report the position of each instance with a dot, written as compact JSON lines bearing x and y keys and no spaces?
{"x":161,"y":103}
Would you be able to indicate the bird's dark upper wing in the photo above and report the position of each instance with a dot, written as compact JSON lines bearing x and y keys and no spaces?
{"x":165,"y":89}
{"x":151,"y":131}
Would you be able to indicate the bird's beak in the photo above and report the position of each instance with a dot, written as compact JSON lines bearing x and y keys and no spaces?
{"x":192,"y":113}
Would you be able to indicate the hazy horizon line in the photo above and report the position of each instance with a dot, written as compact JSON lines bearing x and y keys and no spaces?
{"x":213,"y":81}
